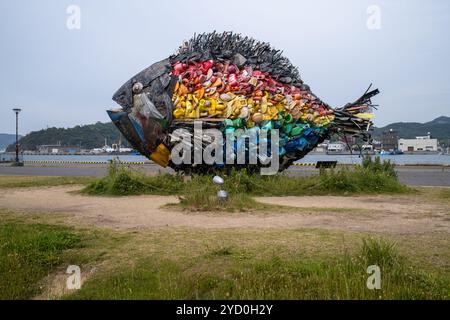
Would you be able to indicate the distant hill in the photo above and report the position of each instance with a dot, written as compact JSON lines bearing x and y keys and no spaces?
{"x":93,"y":135}
{"x":88,"y":136}
{"x":6,"y":139}
{"x":439,"y":128}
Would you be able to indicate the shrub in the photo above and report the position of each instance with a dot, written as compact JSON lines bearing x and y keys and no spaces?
{"x":379,"y":252}
{"x":122,"y":180}
{"x":372,"y":177}
{"x":377,"y":166}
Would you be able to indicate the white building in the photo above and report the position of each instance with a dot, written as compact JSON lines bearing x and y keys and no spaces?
{"x":420,"y":144}
{"x":336,"y":147}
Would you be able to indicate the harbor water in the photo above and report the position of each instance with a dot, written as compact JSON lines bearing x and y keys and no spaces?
{"x":405,"y":159}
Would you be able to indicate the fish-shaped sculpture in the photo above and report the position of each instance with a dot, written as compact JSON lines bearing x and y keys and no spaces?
{"x":229,"y":82}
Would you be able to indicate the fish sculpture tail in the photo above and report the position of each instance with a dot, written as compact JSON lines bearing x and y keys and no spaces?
{"x":355,"y":118}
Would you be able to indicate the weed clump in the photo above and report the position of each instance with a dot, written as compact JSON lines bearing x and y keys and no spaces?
{"x":375,"y":165}
{"x":372,"y":177}
{"x":124,"y":181}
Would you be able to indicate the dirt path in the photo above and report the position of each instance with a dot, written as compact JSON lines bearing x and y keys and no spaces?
{"x":378,"y":213}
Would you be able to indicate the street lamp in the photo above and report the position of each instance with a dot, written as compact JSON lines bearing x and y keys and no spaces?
{"x":17,"y":110}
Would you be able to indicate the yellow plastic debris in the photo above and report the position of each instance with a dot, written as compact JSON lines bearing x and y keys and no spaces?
{"x":161,"y":155}
{"x":365,"y":115}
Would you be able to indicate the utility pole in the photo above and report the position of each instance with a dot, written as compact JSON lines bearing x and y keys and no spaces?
{"x":17,"y":110}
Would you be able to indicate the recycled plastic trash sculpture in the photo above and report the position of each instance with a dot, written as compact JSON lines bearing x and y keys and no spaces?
{"x":228,"y":81}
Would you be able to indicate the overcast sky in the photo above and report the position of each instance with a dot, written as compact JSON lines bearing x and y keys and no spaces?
{"x":63,"y":77}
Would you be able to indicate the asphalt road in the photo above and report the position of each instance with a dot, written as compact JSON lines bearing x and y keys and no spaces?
{"x":410,"y":175}
{"x":93,"y":170}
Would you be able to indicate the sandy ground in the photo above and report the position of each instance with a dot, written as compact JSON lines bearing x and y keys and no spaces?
{"x":385,"y":214}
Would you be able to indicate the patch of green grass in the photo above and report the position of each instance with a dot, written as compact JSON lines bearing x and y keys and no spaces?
{"x":186,"y":263}
{"x":203,"y":197}
{"x":7,"y":182}
{"x":224,"y":275}
{"x":374,"y":178}
{"x":200,"y":193}
{"x":147,"y":280}
{"x":380,"y":252}
{"x":376,"y":165}
{"x":124,"y":181}
{"x":445,"y":194}
{"x":28,"y":252}
{"x":434,"y":194}
{"x":359,"y":180}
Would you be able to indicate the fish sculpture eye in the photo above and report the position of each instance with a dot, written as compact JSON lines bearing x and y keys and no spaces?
{"x":137,"y":87}
{"x":238,"y":86}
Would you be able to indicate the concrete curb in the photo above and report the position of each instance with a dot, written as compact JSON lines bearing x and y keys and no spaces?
{"x":82,"y":162}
